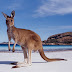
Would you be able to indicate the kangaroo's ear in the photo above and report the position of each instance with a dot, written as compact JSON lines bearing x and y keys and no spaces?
{"x":13,"y":13}
{"x":5,"y":15}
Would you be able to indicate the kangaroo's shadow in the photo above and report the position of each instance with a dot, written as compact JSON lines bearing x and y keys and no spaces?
{"x":39,"y":62}
{"x":6,"y":62}
{"x":14,"y":62}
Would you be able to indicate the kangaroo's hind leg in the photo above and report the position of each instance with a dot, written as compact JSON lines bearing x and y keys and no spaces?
{"x":25,"y":63}
{"x":29,"y":57}
{"x":25,"y":56}
{"x":27,"y":60}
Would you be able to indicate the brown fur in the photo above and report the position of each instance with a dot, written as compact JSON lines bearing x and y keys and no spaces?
{"x":27,"y":39}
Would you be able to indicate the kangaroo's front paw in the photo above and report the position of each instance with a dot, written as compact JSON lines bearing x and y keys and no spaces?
{"x":13,"y":50}
{"x":9,"y":49}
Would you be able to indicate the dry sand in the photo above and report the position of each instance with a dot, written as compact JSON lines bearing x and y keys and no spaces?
{"x":38,"y":64}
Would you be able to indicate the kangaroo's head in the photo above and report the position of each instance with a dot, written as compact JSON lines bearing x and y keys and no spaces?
{"x":9,"y":19}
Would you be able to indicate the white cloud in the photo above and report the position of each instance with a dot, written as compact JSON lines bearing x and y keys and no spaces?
{"x":53,"y":7}
{"x":52,"y":28}
{"x":65,"y":27}
{"x":14,"y":6}
{"x":59,"y":27}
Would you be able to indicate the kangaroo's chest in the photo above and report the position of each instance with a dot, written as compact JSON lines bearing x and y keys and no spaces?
{"x":11,"y":34}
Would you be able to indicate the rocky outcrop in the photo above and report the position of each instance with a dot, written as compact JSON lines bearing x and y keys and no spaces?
{"x":59,"y":39}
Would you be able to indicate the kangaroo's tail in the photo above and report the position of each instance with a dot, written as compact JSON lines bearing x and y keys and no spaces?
{"x":48,"y":59}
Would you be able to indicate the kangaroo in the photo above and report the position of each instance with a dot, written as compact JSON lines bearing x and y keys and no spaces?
{"x":27,"y":39}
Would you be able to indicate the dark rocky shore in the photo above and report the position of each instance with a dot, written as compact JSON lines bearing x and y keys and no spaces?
{"x":59,"y":39}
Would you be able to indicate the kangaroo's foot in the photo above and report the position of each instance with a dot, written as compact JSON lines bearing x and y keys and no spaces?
{"x":23,"y":64}
{"x":9,"y":49}
{"x":13,"y":50}
{"x":17,"y":63}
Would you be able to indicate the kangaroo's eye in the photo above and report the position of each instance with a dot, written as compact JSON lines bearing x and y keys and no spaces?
{"x":11,"y":20}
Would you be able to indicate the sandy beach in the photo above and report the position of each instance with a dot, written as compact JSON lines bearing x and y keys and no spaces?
{"x":38,"y":64}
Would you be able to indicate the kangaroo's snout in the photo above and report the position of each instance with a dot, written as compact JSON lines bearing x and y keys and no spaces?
{"x":7,"y":22}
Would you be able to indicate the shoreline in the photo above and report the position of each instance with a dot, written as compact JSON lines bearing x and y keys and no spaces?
{"x":45,"y":50}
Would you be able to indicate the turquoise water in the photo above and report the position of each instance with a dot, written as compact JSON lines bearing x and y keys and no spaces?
{"x":57,"y":47}
{"x":45,"y":47}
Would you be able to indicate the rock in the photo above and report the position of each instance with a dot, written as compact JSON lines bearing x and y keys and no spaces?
{"x":59,"y":39}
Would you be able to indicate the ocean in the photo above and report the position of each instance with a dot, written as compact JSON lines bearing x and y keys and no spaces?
{"x":4,"y":47}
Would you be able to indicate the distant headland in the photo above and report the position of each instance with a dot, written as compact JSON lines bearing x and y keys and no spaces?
{"x":59,"y":39}
{"x":6,"y":43}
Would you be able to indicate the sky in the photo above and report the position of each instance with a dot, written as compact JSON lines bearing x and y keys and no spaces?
{"x":45,"y":17}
